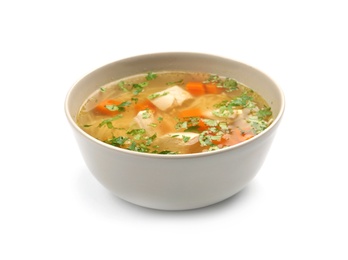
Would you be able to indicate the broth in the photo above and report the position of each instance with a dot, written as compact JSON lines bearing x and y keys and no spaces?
{"x":174,"y":113}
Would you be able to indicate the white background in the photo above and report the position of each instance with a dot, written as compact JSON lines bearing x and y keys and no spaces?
{"x":53,"y":208}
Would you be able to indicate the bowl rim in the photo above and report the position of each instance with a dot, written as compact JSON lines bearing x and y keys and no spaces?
{"x":172,"y":156}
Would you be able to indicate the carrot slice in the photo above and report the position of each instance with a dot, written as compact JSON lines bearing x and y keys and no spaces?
{"x":202,"y":126}
{"x":193,"y":112}
{"x":195,"y":88}
{"x":102,"y":109}
{"x":236,"y":137}
{"x":146,"y":104}
{"x":212,"y":88}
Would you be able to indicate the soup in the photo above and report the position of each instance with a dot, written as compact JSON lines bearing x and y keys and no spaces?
{"x":174,"y":113}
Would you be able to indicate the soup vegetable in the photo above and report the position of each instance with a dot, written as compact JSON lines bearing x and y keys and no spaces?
{"x":174,"y":113}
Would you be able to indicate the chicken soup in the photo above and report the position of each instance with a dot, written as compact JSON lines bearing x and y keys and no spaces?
{"x":174,"y":113}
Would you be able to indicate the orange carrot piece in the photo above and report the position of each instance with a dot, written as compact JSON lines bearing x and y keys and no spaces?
{"x":101,"y":107}
{"x":227,"y":140}
{"x":146,"y":104}
{"x":236,"y":137}
{"x":195,"y":88}
{"x":212,"y":88}
{"x":193,"y":112}
{"x":202,"y":126}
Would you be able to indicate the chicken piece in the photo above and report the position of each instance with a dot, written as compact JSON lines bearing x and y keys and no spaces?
{"x":170,"y":98}
{"x":145,"y":119}
{"x":183,"y":142}
{"x":241,"y":120}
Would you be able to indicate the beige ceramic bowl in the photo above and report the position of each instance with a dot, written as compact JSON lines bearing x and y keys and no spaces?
{"x":175,"y":182}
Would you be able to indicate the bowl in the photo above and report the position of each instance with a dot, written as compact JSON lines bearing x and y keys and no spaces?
{"x":175,"y":182}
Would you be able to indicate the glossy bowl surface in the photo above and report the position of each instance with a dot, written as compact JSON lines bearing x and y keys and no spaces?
{"x":175,"y":182}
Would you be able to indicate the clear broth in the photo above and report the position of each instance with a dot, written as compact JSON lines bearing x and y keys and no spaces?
{"x":195,"y":122}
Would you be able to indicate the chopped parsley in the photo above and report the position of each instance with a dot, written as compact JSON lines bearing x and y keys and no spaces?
{"x":257,"y":124}
{"x":146,"y":114}
{"x":150,"y":139}
{"x":243,"y":100}
{"x":180,"y":125}
{"x":264,"y":112}
{"x":139,"y":87}
{"x":156,"y":95}
{"x":117,"y":141}
{"x":108,"y":122}
{"x":122,"y":86}
{"x":205,"y":139}
{"x":120,"y":107}
{"x":228,"y":84}
{"x":151,"y":76}
{"x":193,"y":129}
{"x":167,"y":152}
{"x":172,"y":83}
{"x":225,"y":109}
{"x":190,"y":124}
{"x":210,"y":122}
{"x":213,"y":78}
{"x":186,"y":138}
{"x":137,"y":133}
{"x":139,"y":147}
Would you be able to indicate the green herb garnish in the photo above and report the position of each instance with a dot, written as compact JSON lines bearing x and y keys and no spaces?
{"x":194,"y":129}
{"x":264,"y":112}
{"x":156,"y":95}
{"x":210,"y":122}
{"x":241,"y":101}
{"x":186,"y":138}
{"x":117,"y":141}
{"x":122,"y":86}
{"x":139,"y":87}
{"x":149,"y":140}
{"x":225,"y":109}
{"x":172,"y":83}
{"x":120,"y":107}
{"x":257,"y":124}
{"x":151,"y":76}
{"x":137,"y":133}
{"x":181,"y":125}
{"x":229,"y":84}
{"x":108,"y":122}
{"x":146,"y":114}
{"x":167,"y":152}
{"x":213,"y":78}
